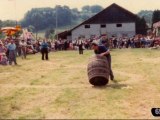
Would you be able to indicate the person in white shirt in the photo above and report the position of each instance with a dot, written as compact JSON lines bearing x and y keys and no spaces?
{"x":23,"y":46}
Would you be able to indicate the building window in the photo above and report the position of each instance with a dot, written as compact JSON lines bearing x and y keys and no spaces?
{"x":103,"y":26}
{"x":87,"y":26}
{"x":119,"y":25}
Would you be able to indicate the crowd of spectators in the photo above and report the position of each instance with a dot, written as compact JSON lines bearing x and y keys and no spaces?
{"x":22,"y":47}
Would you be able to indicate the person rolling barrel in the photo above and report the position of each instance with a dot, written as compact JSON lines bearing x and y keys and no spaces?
{"x":103,"y":51}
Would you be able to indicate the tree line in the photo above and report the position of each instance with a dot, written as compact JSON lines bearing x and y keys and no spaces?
{"x":150,"y":16}
{"x":60,"y":16}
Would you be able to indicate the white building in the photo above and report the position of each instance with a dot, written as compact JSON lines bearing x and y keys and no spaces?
{"x":112,"y":21}
{"x":110,"y":29}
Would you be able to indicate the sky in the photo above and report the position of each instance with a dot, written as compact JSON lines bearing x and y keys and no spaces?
{"x":16,"y":9}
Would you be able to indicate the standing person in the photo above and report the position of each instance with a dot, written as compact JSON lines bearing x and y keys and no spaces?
{"x":18,"y":48}
{"x":12,"y":52}
{"x":128,"y":43}
{"x":44,"y":49}
{"x":115,"y":43}
{"x":132,"y":43}
{"x":103,"y":51}
{"x":122,"y":43}
{"x":65,"y":45}
{"x":80,"y":46}
{"x":107,"y":44}
{"x":23,"y":46}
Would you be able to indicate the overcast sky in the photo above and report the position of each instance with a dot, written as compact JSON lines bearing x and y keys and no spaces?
{"x":15,"y":9}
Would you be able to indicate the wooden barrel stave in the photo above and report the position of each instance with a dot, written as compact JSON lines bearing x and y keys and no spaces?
{"x":98,"y":70}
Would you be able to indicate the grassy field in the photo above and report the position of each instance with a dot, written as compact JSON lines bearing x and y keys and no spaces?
{"x":59,"y":88}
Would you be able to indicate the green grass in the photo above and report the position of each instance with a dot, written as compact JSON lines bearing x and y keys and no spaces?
{"x":59,"y":88}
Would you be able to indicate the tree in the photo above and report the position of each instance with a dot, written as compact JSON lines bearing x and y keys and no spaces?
{"x":86,"y":8}
{"x":40,"y":18}
{"x":75,"y":10}
{"x":147,"y":14}
{"x":61,"y":16}
{"x":96,"y":8}
{"x":31,"y":28}
{"x":1,"y":35}
{"x":49,"y":33}
{"x":75,"y":14}
{"x":141,"y":26}
{"x":64,"y":16}
{"x":45,"y":18}
{"x":9,"y":23}
{"x":85,"y":16}
{"x":1,"y":23}
{"x":156,"y":16}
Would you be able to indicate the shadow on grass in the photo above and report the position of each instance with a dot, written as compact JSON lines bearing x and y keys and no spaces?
{"x":115,"y":86}
{"x":18,"y":65}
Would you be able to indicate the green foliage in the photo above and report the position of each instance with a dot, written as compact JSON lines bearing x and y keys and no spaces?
{"x":147,"y":14}
{"x":31,"y":28}
{"x":49,"y":33}
{"x":17,"y":34}
{"x":45,"y":18}
{"x":96,"y":8}
{"x":141,"y":26}
{"x":1,"y":35}
{"x":10,"y":23}
{"x":156,"y":16}
{"x":1,"y":23}
{"x":86,"y":8}
{"x":89,"y":11}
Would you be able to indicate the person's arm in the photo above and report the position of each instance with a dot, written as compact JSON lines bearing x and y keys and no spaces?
{"x":106,"y":51}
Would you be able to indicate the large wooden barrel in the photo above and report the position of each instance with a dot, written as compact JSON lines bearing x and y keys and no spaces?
{"x":98,"y":70}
